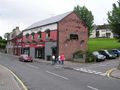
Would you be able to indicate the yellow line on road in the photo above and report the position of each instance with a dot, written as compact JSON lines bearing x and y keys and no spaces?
{"x":16,"y":77}
{"x":109,"y":72}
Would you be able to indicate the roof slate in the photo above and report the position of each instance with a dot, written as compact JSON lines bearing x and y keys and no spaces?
{"x":49,"y":20}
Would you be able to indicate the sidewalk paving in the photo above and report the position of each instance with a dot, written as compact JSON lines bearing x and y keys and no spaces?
{"x":67,"y":64}
{"x":7,"y":80}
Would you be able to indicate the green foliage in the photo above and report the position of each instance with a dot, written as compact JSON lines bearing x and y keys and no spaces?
{"x":32,"y":33}
{"x":6,"y":35}
{"x":114,"y":19}
{"x":27,"y":34}
{"x":90,"y":57}
{"x":3,"y":43}
{"x":0,"y":38}
{"x":102,"y":43}
{"x":86,"y":16}
{"x":78,"y":54}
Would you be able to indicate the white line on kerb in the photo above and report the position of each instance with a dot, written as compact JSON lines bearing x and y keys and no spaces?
{"x":57,"y":75}
{"x":92,"y":88}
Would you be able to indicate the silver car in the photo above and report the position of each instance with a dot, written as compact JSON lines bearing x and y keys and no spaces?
{"x":99,"y":57}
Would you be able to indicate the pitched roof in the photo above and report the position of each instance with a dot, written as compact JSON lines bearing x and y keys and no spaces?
{"x":49,"y":20}
{"x":105,"y":26}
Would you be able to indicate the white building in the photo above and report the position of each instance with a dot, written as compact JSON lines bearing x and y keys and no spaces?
{"x":101,"y":31}
{"x":9,"y":47}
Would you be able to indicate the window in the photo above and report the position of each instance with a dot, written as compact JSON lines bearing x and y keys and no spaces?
{"x":33,"y":34}
{"x":73,"y":36}
{"x":39,"y":34}
{"x":47,"y":33}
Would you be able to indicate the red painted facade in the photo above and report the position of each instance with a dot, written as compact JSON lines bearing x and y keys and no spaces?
{"x":24,"y":41}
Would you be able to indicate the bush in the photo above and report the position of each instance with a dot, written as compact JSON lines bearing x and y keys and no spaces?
{"x":78,"y":54}
{"x":90,"y":57}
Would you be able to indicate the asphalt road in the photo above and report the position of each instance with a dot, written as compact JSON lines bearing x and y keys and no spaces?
{"x":40,"y":76}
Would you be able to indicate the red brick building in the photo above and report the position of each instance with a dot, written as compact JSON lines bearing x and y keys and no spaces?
{"x":65,"y":33}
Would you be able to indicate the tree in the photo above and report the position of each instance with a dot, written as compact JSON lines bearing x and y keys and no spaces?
{"x":0,"y":38}
{"x":114,"y":19}
{"x":86,"y":16}
{"x":6,"y":35}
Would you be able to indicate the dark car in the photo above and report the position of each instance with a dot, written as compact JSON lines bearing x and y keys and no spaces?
{"x":25,"y":58}
{"x":116,"y":51}
{"x":107,"y":54}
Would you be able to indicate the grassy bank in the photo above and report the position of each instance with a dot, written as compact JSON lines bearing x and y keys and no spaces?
{"x":102,"y":43}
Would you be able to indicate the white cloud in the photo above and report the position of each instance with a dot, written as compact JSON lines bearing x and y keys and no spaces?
{"x":23,"y":13}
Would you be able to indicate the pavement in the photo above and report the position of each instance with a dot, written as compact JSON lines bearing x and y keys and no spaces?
{"x":9,"y":81}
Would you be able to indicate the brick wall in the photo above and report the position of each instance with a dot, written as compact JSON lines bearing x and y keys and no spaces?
{"x":72,"y":25}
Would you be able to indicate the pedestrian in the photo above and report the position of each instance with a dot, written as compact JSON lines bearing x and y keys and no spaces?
{"x":59,"y":60}
{"x":53,"y":59}
{"x":62,"y":58}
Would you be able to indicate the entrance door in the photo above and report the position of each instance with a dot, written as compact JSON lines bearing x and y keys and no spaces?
{"x":39,"y":53}
{"x":54,"y":51}
{"x":26,"y":51}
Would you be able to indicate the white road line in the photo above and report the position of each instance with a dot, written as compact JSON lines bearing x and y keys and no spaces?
{"x":57,"y":75}
{"x":89,"y":71}
{"x":92,"y":88}
{"x":103,"y":74}
{"x":98,"y":73}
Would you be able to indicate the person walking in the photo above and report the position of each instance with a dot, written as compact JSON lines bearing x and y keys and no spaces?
{"x":62,"y":58}
{"x":53,"y":59}
{"x":59,"y":60}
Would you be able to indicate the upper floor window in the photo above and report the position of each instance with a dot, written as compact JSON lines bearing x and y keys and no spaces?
{"x":47,"y":33}
{"x":27,"y":35}
{"x":73,"y":36}
{"x":33,"y":34}
{"x":39,"y":34}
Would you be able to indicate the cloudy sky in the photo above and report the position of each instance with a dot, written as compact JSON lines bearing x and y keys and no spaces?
{"x":23,"y":13}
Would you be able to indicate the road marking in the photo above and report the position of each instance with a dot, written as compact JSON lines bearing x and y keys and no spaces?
{"x":90,"y":71}
{"x":92,"y":88}
{"x":109,"y":72}
{"x":16,"y":77}
{"x":57,"y":75}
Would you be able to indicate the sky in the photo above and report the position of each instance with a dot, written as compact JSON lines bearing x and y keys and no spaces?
{"x":23,"y":13}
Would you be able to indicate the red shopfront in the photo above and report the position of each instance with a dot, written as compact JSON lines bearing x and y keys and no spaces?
{"x":39,"y":50}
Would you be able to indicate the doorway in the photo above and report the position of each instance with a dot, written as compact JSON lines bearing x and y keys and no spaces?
{"x":39,"y":53}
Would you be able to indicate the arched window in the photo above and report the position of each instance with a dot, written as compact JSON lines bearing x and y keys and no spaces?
{"x":47,"y":33}
{"x":33,"y":34}
{"x":39,"y":34}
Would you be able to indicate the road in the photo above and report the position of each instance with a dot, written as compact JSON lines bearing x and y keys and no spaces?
{"x":41,"y":76}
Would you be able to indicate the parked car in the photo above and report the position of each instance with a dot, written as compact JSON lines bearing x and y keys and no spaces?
{"x":116,"y":51}
{"x":107,"y":54}
{"x":99,"y":57}
{"x":25,"y":58}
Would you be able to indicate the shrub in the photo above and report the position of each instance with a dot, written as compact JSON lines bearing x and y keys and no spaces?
{"x":90,"y":57}
{"x":78,"y":54}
